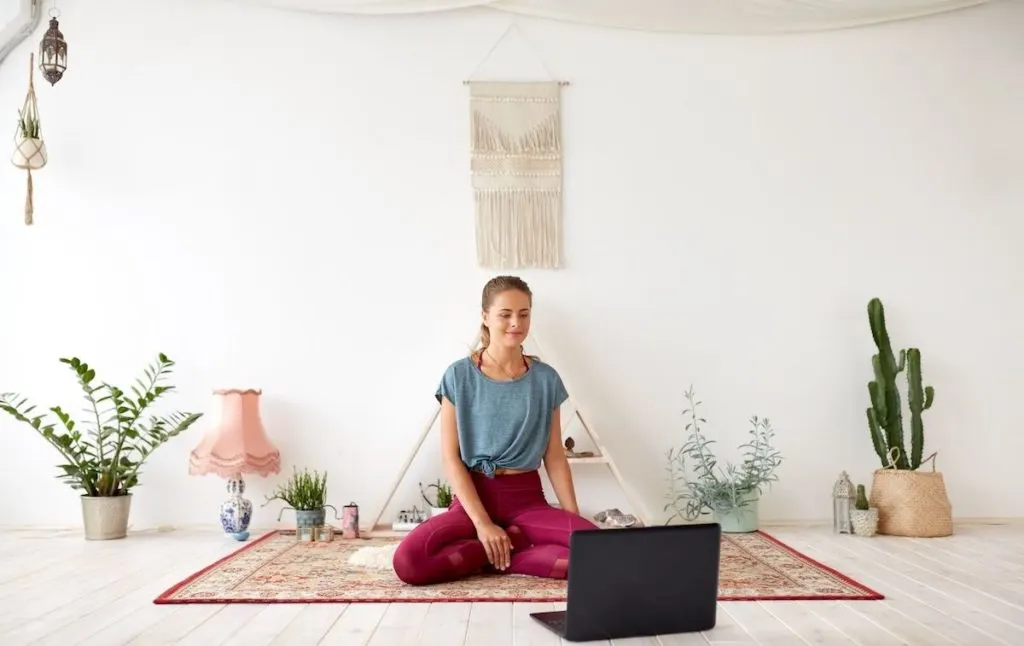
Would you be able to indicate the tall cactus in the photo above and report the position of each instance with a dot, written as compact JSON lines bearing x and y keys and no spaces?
{"x":920,"y":399}
{"x":885,"y":415}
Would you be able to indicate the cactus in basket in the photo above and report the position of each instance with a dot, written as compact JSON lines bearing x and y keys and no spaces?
{"x":885,"y":415}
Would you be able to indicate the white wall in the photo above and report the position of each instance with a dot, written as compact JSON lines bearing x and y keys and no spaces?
{"x":281,"y":200}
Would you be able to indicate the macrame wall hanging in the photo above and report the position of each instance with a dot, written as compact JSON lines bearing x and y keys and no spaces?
{"x":29,"y":148}
{"x":516,"y":168}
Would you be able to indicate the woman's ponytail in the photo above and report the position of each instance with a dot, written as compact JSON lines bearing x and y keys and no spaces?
{"x":485,"y":336}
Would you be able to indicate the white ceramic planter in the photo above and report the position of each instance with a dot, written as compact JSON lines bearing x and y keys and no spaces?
{"x":29,"y":154}
{"x":106,"y":517}
{"x":865,"y":521}
{"x":437,"y":511}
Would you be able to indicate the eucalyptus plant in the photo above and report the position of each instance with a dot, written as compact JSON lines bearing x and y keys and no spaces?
{"x":714,"y":488}
{"x":105,"y":451}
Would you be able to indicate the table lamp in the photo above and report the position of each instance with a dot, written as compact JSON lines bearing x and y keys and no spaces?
{"x":237,"y":444}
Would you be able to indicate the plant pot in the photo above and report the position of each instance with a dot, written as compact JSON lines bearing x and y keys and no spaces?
{"x":310,"y":517}
{"x":437,"y":511}
{"x":29,"y":154}
{"x":313,"y":517}
{"x":741,"y":519}
{"x":864,"y":521}
{"x":106,"y":517}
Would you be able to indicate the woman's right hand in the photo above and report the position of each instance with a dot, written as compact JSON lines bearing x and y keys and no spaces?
{"x":496,"y":543}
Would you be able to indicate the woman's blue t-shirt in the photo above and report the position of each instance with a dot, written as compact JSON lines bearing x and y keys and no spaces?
{"x":502,"y":424}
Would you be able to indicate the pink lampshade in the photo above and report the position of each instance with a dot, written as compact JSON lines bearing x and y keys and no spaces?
{"x":238,"y":443}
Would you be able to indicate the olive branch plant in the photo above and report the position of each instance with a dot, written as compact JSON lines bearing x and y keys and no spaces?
{"x":715,"y":488}
{"x":104,"y":452}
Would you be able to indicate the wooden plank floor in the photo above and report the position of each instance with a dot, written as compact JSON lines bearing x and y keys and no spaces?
{"x":56,"y":588}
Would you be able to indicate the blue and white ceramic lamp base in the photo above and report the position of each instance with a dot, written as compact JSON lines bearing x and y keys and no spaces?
{"x":236,"y":511}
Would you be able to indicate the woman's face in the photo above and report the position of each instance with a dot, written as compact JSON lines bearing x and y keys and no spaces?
{"x":508,"y":318}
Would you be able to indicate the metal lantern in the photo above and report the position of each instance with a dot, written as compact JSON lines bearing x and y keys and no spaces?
{"x":843,"y":497}
{"x":53,"y":53}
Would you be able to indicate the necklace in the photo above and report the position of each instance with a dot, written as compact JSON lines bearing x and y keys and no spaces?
{"x":503,"y":368}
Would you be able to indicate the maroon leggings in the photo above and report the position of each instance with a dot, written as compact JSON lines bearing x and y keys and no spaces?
{"x":445,"y":547}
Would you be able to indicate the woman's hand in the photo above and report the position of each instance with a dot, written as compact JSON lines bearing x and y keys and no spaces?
{"x":496,"y":543}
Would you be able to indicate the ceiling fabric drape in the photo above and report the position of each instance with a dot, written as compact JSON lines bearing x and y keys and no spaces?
{"x":693,"y":16}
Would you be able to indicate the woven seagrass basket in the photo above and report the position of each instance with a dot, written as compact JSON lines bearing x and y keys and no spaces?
{"x":912,"y":503}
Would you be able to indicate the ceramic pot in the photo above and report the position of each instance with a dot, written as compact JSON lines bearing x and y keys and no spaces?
{"x":29,"y":154}
{"x":743,"y":518}
{"x":864,"y":521}
{"x":106,"y":517}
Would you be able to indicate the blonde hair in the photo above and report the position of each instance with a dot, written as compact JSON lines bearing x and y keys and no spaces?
{"x":496,"y":286}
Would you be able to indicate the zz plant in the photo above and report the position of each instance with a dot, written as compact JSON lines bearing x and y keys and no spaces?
{"x":104,"y":452}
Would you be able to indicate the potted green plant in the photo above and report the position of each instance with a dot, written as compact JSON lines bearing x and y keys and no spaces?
{"x":305,"y":493}
{"x":910,"y":501}
{"x":863,"y":516}
{"x":105,"y":451}
{"x":731,"y":493}
{"x":442,"y":498}
{"x":30,"y":150}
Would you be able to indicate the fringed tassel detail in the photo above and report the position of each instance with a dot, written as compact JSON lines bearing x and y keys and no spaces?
{"x":519,"y":228}
{"x":516,"y":145}
{"x":29,"y":207}
{"x":488,"y":137}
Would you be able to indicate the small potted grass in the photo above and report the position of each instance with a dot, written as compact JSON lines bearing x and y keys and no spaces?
{"x":306,"y":494}
{"x":442,"y":498}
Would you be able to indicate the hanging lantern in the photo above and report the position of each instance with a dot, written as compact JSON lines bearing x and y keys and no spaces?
{"x":843,"y":497}
{"x":53,"y":53}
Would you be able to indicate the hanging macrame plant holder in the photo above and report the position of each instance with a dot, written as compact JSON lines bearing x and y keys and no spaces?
{"x":29,"y":148}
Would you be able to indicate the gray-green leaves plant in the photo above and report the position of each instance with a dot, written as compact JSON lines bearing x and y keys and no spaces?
{"x":714,"y":488}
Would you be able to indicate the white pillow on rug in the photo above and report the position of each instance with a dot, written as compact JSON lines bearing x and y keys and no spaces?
{"x":376,"y":557}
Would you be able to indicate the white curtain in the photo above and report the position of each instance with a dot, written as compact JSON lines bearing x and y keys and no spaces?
{"x":695,"y":16}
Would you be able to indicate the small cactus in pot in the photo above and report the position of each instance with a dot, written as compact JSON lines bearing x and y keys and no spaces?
{"x":862,"y":498}
{"x":864,"y":517}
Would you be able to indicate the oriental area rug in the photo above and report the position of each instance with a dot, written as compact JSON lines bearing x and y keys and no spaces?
{"x":276,"y":568}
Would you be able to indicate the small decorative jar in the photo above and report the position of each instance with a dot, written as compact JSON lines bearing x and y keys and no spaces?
{"x":305,"y":533}
{"x":324,"y":534}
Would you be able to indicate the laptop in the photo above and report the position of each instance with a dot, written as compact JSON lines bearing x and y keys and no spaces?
{"x":639,"y":581}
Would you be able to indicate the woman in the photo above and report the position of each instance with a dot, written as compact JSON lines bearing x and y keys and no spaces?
{"x":499,"y":420}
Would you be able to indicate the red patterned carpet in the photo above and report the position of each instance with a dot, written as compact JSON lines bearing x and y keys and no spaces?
{"x":278,"y":569}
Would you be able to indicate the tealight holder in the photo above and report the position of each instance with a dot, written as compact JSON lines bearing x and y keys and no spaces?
{"x":324,"y":534}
